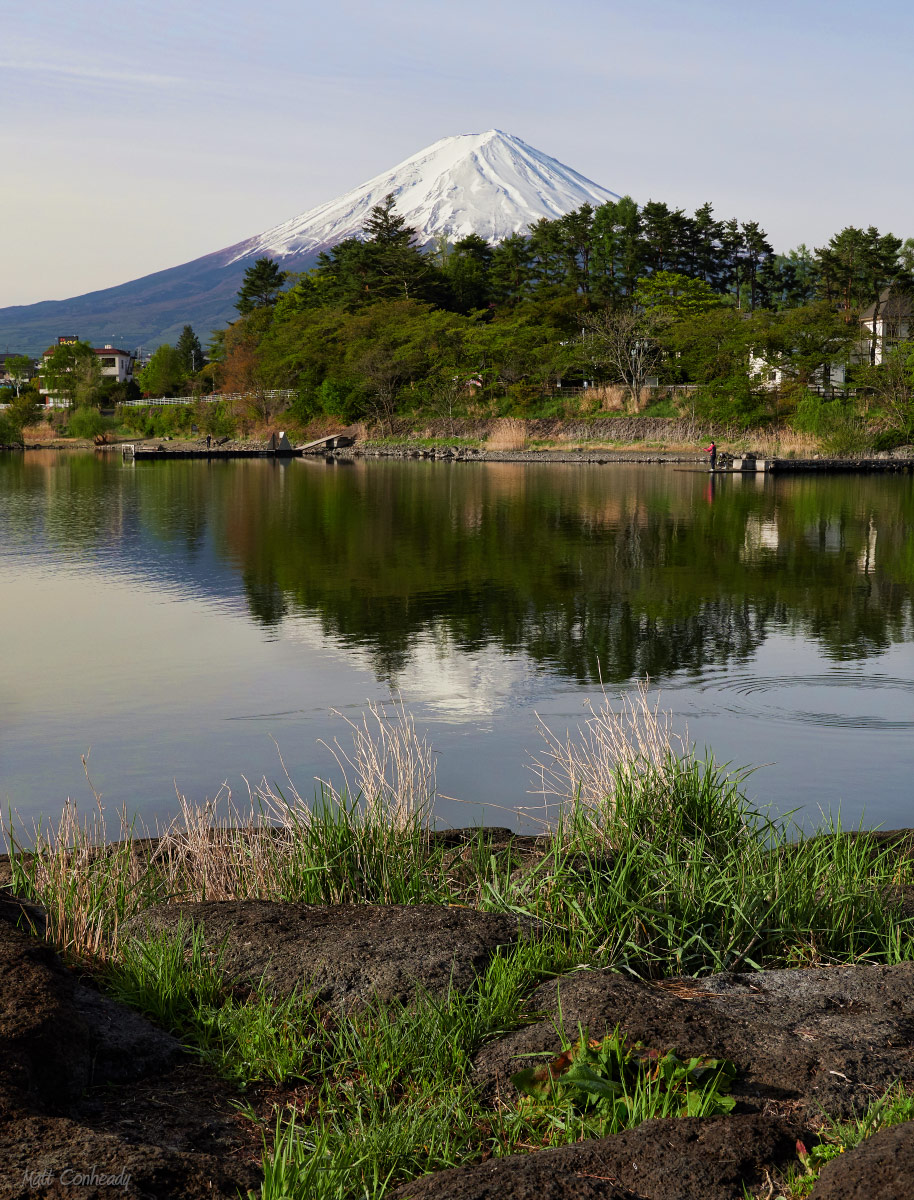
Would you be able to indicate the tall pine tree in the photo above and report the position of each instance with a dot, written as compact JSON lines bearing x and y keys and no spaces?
{"x":190,"y":351}
{"x":261,"y":286}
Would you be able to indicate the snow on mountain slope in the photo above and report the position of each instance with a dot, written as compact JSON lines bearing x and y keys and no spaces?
{"x":492,"y":184}
{"x":489,"y":183}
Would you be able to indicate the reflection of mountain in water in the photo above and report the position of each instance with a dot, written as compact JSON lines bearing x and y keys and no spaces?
{"x":624,"y":571}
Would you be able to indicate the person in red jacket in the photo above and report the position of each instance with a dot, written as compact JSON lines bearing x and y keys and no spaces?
{"x":712,"y":450}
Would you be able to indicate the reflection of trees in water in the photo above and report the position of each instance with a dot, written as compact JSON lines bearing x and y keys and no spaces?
{"x":628,"y":571}
{"x":624,"y":571}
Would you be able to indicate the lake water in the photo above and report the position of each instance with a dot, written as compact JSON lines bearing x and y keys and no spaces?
{"x":176,"y":617}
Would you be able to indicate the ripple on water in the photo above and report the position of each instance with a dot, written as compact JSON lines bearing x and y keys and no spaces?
{"x":871,"y":701}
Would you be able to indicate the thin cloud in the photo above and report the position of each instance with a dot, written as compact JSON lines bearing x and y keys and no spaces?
{"x":96,"y":74}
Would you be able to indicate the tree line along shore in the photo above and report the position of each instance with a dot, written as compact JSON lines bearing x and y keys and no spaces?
{"x":619,"y":309}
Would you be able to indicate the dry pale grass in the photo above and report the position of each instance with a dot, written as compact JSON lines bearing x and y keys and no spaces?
{"x":73,"y":870}
{"x":580,"y":770}
{"x":777,"y":443}
{"x":390,"y":766}
{"x":612,"y":399}
{"x":590,"y":401}
{"x":221,"y":851}
{"x":260,"y":848}
{"x":41,"y":431}
{"x":508,"y":433}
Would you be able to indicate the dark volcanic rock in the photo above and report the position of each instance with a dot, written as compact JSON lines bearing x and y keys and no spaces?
{"x":61,"y":1158}
{"x":59,"y":1036}
{"x":86,"y":1084}
{"x":829,"y":1038}
{"x":679,"y":1159}
{"x":343,"y":954}
{"x":881,"y":1168}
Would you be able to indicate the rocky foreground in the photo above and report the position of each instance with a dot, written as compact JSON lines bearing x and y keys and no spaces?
{"x":97,"y":1102}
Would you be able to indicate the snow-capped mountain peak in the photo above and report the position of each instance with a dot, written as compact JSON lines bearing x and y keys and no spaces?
{"x":491,"y":183}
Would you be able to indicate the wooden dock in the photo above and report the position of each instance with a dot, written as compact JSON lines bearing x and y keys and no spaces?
{"x":278,"y":446}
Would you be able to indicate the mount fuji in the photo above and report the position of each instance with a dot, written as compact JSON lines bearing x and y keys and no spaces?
{"x":492,"y":184}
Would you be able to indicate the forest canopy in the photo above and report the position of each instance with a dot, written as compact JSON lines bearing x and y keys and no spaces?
{"x":383,"y":326}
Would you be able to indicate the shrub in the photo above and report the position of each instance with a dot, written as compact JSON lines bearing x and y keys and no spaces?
{"x":86,"y":423}
{"x":217,"y":420}
{"x":890,"y":439}
{"x":168,"y":420}
{"x":10,"y":433}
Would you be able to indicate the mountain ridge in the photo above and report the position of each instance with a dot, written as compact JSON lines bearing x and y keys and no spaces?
{"x":492,"y":184}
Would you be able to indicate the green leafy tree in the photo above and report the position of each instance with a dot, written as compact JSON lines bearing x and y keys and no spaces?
{"x":517,"y":355}
{"x":20,"y":370}
{"x":9,"y":434}
{"x":393,"y":267}
{"x":261,"y":286}
{"x":662,"y":233}
{"x":385,"y":265}
{"x":671,"y":296}
{"x":164,"y":374}
{"x":793,"y":278}
{"x":804,"y":341}
{"x":858,"y":268}
{"x":576,"y":236}
{"x":511,"y":271}
{"x":190,"y":351}
{"x":25,"y":408}
{"x":711,"y":349}
{"x":703,"y":242}
{"x":891,"y":385}
{"x":72,"y":373}
{"x":86,"y":422}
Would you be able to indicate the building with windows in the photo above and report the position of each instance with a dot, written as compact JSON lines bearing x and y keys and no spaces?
{"x":116,"y":364}
{"x":883,"y":325}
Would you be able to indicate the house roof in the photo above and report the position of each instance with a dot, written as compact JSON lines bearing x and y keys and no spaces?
{"x":893,"y":303}
{"x":96,"y":350}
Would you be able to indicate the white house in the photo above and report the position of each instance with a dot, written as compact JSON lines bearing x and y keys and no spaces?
{"x":115,"y":364}
{"x":891,"y":320}
{"x":829,"y":375}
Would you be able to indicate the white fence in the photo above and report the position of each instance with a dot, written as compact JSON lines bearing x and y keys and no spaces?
{"x":211,"y":398}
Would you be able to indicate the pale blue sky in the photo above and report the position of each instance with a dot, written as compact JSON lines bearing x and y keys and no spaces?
{"x":135,"y":136}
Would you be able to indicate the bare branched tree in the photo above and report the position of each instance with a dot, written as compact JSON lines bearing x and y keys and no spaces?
{"x":622,"y":344}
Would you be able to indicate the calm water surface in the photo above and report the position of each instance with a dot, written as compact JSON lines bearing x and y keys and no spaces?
{"x":177,"y":617}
